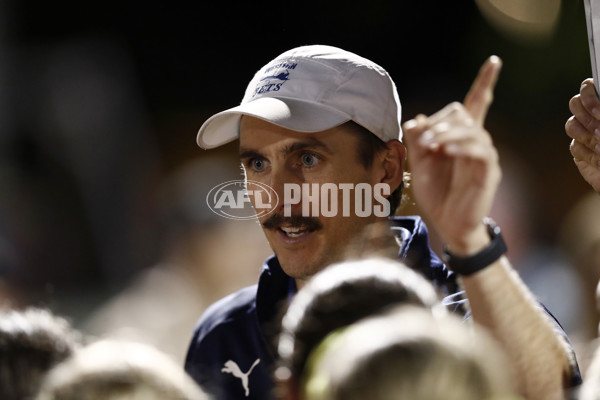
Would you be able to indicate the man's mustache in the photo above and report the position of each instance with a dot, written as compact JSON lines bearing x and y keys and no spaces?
{"x":277,"y":220}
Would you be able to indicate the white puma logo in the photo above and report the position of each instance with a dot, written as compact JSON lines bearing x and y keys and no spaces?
{"x":232,"y":368}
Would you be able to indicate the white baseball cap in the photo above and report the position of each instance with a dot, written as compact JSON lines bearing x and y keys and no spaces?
{"x":312,"y":89}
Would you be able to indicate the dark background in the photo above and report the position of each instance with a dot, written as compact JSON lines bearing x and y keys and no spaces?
{"x":101,"y":100}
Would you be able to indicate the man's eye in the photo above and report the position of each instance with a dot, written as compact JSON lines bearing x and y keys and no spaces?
{"x":309,"y":160}
{"x":258,"y":164}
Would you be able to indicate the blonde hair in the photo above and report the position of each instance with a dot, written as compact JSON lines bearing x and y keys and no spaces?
{"x":119,"y":370}
{"x":408,"y":354}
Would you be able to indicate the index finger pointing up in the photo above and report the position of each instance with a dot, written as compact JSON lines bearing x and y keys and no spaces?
{"x":480,"y":95}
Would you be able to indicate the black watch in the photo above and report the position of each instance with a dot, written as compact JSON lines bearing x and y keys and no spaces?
{"x":470,"y":264}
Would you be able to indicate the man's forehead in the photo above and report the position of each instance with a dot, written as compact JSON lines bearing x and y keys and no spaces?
{"x":291,"y":145}
{"x":253,"y":124}
{"x":257,"y":135}
{"x":250,"y":123}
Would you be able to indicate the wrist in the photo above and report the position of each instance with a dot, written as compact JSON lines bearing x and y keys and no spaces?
{"x":469,"y":244}
{"x":470,"y":262}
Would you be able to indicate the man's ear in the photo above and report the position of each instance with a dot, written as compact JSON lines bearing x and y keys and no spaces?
{"x":393,"y":163}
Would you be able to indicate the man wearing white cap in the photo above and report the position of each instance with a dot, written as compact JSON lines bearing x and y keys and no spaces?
{"x":323,"y":116}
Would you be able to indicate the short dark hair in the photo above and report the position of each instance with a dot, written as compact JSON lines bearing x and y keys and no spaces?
{"x":369,"y":146}
{"x":32,"y":341}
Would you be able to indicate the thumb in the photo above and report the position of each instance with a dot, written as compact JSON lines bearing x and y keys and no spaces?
{"x":480,"y":95}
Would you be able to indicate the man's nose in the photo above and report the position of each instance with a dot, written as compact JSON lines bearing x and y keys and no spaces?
{"x":285,"y":184}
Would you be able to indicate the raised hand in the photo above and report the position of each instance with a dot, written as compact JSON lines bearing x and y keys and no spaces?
{"x":584,"y":128}
{"x":454,"y":164}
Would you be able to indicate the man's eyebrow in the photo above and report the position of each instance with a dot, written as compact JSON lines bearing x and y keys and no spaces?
{"x":309,"y":143}
{"x":247,"y":153}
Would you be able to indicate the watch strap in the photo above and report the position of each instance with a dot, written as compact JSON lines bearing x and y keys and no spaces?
{"x":488,"y":255}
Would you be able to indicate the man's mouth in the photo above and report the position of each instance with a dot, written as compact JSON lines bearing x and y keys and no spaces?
{"x":294,"y":232}
{"x":292,"y":227}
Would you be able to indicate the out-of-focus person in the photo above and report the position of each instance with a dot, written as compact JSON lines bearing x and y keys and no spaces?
{"x":579,"y":233}
{"x":110,"y":369}
{"x":338,"y":296}
{"x":408,"y":353}
{"x":543,"y":266}
{"x":583,"y":127}
{"x":32,"y":341}
{"x":590,"y":389}
{"x":579,"y":238}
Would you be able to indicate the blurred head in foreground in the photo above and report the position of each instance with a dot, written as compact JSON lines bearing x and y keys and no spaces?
{"x":408,"y":353}
{"x":339,"y":296}
{"x":31,"y":342}
{"x":119,"y":370}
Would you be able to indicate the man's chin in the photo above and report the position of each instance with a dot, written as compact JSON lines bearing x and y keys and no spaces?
{"x":303,"y":265}
{"x":299,"y":270}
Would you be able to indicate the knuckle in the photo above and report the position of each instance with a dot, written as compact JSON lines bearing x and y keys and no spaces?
{"x":586,"y":81}
{"x":575,"y":131}
{"x":569,"y":124}
{"x":441,"y":127}
{"x":575,"y":150}
{"x":574,"y":102}
{"x":581,"y":152}
{"x":572,"y":146}
{"x":587,"y":122}
{"x":574,"y":98}
{"x":455,"y":106}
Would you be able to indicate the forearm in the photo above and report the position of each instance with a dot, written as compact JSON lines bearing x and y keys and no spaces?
{"x":456,"y":173}
{"x":539,"y":355}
